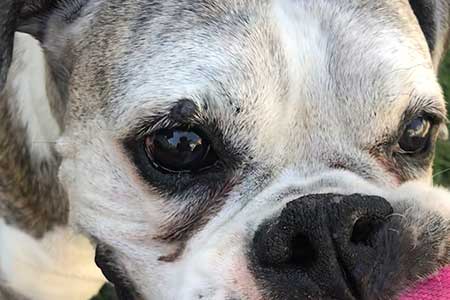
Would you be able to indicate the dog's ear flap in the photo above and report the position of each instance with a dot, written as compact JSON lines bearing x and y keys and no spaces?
{"x":35,"y":15}
{"x":434,"y":19}
{"x":40,"y":18}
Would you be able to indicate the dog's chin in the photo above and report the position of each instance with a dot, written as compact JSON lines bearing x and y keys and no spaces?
{"x":243,"y":286}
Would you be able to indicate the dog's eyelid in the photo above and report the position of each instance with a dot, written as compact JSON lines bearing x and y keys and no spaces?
{"x":182,"y":114}
{"x":429,"y":111}
{"x":437,"y":118}
{"x":161,"y":123}
{"x":168,"y":123}
{"x":431,"y":107}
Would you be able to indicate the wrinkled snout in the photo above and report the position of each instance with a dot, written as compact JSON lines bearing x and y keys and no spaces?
{"x":325,"y":246}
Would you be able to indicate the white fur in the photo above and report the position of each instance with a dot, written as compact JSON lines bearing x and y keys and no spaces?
{"x":307,"y":60}
{"x":296,"y":120}
{"x":60,"y":266}
{"x":27,"y":79}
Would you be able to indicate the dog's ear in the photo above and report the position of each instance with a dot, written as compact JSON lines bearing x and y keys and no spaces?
{"x":434,"y":19}
{"x":45,"y":20}
{"x":41,"y":18}
{"x":9,"y":10}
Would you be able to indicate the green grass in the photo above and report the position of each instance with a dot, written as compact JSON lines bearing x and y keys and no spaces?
{"x":106,"y":293}
{"x":442,"y":162}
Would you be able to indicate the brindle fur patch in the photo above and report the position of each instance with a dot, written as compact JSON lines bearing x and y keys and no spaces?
{"x":30,"y":194}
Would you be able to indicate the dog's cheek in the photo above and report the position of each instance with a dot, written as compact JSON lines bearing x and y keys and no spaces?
{"x":415,"y":241}
{"x":107,"y":200}
{"x":424,"y":214}
{"x":424,"y":198}
{"x":426,"y":242}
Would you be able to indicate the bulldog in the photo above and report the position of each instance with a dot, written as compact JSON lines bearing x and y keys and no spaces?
{"x":221,"y":149}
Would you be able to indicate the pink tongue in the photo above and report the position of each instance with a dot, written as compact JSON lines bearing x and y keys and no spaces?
{"x":434,"y":288}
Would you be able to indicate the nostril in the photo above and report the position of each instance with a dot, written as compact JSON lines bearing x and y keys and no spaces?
{"x":303,"y":253}
{"x":323,"y":246}
{"x":278,"y":247}
{"x":365,"y":230}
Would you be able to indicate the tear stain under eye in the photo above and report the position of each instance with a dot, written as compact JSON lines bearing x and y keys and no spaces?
{"x":388,"y":165}
{"x":403,"y":168}
{"x":186,"y":223}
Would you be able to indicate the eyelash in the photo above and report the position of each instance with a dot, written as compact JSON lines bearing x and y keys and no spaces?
{"x":163,"y":123}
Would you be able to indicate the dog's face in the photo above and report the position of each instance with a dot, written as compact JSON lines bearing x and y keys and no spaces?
{"x":253,"y":149}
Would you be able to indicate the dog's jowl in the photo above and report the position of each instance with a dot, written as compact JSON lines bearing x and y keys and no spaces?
{"x":221,"y":149}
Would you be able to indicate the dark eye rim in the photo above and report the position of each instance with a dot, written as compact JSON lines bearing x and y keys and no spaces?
{"x":431,"y":136}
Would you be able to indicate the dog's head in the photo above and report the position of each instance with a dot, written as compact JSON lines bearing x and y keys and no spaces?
{"x":250,"y":149}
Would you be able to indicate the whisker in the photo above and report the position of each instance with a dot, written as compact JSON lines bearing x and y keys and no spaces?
{"x":43,"y":142}
{"x":441,"y":172}
{"x":396,"y":215}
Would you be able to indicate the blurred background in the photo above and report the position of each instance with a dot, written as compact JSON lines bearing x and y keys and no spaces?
{"x":442,"y":162}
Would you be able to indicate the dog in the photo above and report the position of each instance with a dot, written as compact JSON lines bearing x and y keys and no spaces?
{"x":221,"y":149}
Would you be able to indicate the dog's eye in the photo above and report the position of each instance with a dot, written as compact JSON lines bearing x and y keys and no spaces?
{"x":416,"y":137}
{"x":178,"y":150}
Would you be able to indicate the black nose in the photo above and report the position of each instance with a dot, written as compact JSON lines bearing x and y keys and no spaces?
{"x":320,"y":247}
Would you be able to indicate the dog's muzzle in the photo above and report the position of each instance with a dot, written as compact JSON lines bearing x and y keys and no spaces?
{"x":328,"y":247}
{"x":322,"y":247}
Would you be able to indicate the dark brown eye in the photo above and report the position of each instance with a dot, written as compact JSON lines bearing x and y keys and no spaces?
{"x":416,"y":137}
{"x":178,"y":150}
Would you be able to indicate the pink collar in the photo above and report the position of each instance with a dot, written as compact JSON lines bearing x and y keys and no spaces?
{"x":434,"y":288}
